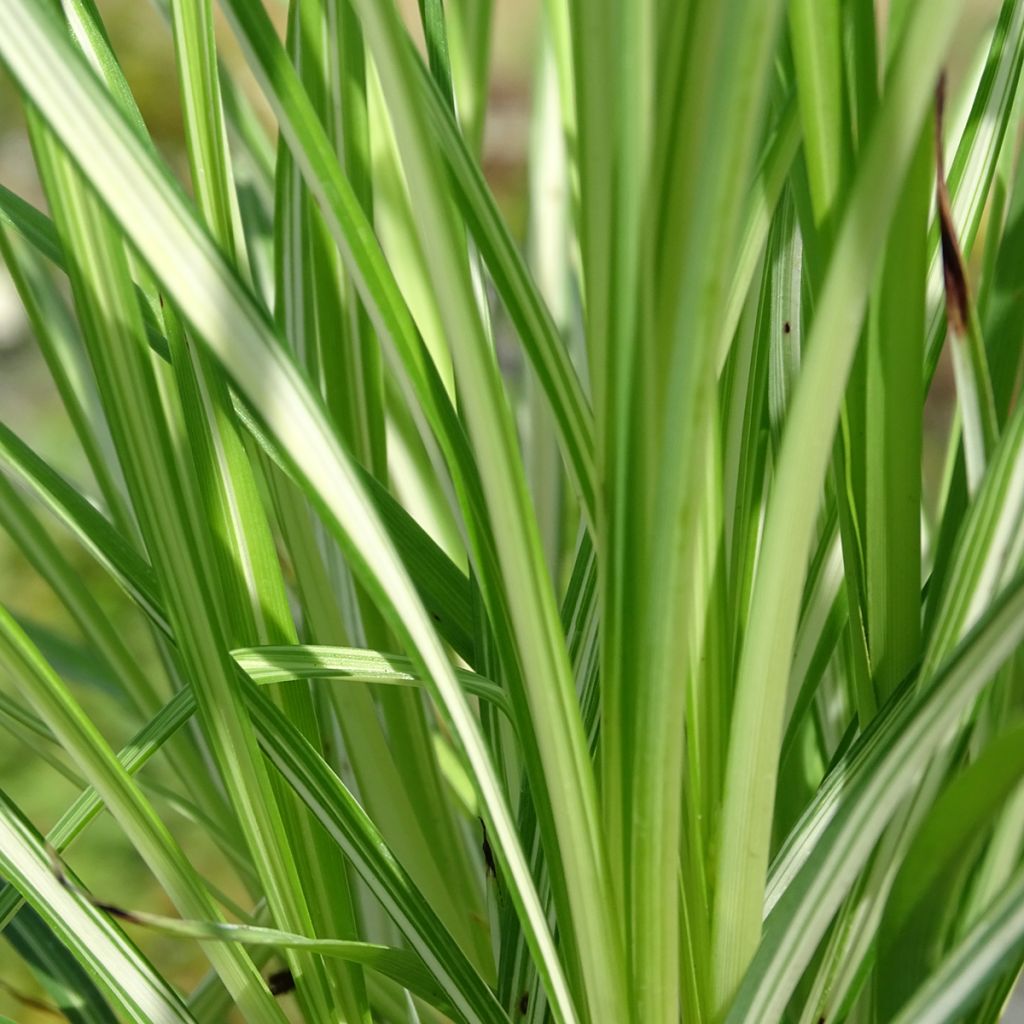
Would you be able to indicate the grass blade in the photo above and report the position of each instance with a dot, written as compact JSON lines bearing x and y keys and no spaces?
{"x":805,"y":450}
{"x":899,"y":746}
{"x":108,"y":957}
{"x":962,"y":978}
{"x":63,"y":978}
{"x":149,"y":835}
{"x":203,"y":287}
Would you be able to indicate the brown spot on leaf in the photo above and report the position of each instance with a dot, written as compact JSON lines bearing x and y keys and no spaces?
{"x":57,"y":867}
{"x":115,"y":911}
{"x":524,"y":1004}
{"x":786,"y":327}
{"x":492,"y":869}
{"x":953,"y":269}
{"x":281,"y":982}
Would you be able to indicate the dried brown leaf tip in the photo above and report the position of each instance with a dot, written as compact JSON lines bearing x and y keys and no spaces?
{"x":953,"y":269}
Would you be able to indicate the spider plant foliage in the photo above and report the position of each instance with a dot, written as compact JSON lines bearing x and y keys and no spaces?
{"x":549,"y":628}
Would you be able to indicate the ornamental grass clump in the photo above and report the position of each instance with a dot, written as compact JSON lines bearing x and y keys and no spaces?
{"x":629,"y":678}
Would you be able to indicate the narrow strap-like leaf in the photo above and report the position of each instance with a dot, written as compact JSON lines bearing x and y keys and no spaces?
{"x":110,"y":959}
{"x":877,"y":775}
